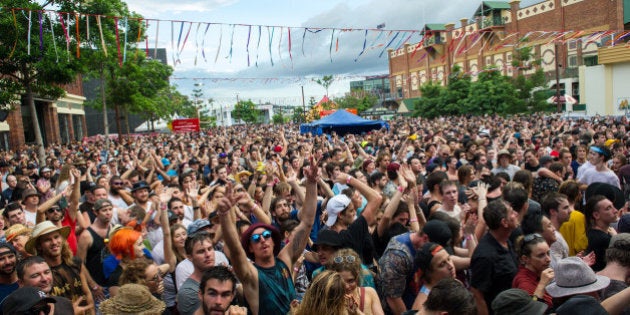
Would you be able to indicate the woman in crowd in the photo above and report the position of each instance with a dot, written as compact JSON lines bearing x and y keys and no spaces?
{"x":534,"y":273}
{"x":434,"y":264}
{"x":365,"y":299}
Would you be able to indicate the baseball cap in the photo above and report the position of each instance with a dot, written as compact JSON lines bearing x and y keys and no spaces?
{"x":197,"y":225}
{"x":335,"y":205}
{"x":23,"y":299}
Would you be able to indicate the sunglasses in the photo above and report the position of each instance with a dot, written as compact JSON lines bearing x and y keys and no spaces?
{"x":117,"y":183}
{"x":256,"y":238}
{"x":38,"y":309}
{"x":53,"y":210}
{"x":530,"y":237}
{"x":348,"y":259}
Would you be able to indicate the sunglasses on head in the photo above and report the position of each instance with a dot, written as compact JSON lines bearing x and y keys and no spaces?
{"x":256,"y":238}
{"x":340,"y":259}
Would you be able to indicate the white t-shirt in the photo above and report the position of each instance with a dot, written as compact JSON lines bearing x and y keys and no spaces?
{"x":185,"y":268}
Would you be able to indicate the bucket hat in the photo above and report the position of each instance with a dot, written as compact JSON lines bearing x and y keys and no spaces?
{"x":133,"y":299}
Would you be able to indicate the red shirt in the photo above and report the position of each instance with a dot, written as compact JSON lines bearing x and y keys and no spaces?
{"x":72,"y":237}
{"x":527,"y":281}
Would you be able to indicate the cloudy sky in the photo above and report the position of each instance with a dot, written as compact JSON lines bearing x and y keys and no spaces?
{"x":224,"y":72}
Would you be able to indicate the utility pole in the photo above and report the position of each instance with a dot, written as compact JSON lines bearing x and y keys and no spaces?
{"x":303,"y":105}
{"x":558,"y":65}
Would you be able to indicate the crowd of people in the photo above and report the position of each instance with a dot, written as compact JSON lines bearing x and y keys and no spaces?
{"x":458,"y":215}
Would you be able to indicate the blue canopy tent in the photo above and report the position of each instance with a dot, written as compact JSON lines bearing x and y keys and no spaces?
{"x":342,"y":122}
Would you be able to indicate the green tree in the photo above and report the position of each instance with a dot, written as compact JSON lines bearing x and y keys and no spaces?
{"x":492,"y":93}
{"x":531,"y":89}
{"x":453,"y":98}
{"x":39,"y":73}
{"x":246,"y":111}
{"x":326,"y":81}
{"x":298,"y":115}
{"x":101,"y":59}
{"x":279,"y":119}
{"x":361,"y":104}
{"x":429,"y":105}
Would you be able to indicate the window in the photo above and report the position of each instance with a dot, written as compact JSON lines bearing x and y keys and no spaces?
{"x":572,"y":44}
{"x":573,"y":61}
{"x":590,"y":61}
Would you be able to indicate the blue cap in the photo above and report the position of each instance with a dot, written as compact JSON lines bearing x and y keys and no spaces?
{"x":197,"y":225}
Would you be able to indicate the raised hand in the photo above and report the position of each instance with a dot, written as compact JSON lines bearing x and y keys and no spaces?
{"x":312,"y":171}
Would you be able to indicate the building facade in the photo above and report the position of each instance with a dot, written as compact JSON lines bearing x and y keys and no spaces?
{"x":496,"y":32}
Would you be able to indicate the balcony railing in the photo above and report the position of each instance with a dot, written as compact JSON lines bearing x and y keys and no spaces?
{"x":490,"y":21}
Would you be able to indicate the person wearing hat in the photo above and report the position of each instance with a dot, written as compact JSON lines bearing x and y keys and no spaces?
{"x":18,"y":235}
{"x":494,"y":262}
{"x":517,"y":302}
{"x":49,"y":242}
{"x":34,"y":272}
{"x":261,"y":243}
{"x":133,"y":299}
{"x":92,"y":241}
{"x":30,"y":202}
{"x":574,"y":277}
{"x":341,"y":212}
{"x":140,"y":193}
{"x":8,"y":277}
{"x":504,"y":161}
{"x":598,"y":171}
{"x":28,"y":300}
{"x":600,"y":213}
{"x":396,"y":280}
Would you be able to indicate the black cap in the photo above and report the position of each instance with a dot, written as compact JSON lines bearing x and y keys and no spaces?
{"x":438,"y":232}
{"x":23,"y":299}
{"x":328,"y":237}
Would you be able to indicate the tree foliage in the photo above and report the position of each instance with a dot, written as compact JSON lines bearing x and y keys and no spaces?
{"x":361,"y":104}
{"x":246,"y":111}
{"x":492,"y":93}
{"x":326,"y":81}
{"x":39,"y":72}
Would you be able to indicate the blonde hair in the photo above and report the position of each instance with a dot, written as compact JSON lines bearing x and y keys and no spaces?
{"x":353,"y":267}
{"x":325,"y":296}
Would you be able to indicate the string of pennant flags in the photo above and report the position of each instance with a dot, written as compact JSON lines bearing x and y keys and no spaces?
{"x":260,"y":39}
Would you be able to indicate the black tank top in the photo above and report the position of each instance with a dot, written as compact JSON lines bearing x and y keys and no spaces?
{"x":94,"y":258}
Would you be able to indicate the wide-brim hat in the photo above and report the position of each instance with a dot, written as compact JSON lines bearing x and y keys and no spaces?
{"x":275,"y":235}
{"x":573,"y":276}
{"x":44,"y":228}
{"x":133,"y":299}
{"x":15,"y":230}
{"x":612,"y":193}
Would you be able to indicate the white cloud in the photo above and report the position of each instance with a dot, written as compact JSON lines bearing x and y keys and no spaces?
{"x":154,"y":9}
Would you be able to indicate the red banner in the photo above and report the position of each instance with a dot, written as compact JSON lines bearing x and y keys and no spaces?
{"x":186,"y":125}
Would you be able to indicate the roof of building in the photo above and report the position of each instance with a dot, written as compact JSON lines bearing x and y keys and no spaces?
{"x":490,"y":6}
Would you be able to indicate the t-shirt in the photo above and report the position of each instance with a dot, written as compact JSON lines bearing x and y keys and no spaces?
{"x":527,"y":281}
{"x":188,"y":297}
{"x":559,"y":249}
{"x":598,"y":242}
{"x":574,"y":232}
{"x":591,"y":175}
{"x":72,"y":237}
{"x":358,"y":237}
{"x":185,"y":268}
{"x":493,"y":268}
{"x":5,"y":290}
{"x":396,"y":278}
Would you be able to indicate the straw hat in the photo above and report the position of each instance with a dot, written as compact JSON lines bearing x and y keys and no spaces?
{"x":16,"y":230}
{"x":44,"y":228}
{"x":133,"y":299}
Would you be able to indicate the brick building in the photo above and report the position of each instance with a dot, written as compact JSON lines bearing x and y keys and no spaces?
{"x":494,"y":33}
{"x":60,"y":121}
